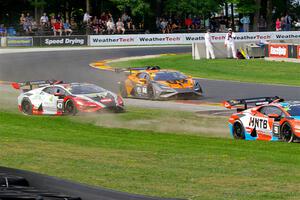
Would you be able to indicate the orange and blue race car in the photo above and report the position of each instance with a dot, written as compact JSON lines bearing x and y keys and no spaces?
{"x":151,"y":82}
{"x":265,"y":118}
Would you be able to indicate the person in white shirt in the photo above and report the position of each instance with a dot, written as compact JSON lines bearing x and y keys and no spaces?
{"x":120,"y":26}
{"x":86,"y":18}
{"x":44,"y":20}
{"x":229,"y":43}
{"x":209,"y":46}
{"x":110,"y":27}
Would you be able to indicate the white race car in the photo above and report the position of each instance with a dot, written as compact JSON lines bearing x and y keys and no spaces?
{"x":58,"y":98}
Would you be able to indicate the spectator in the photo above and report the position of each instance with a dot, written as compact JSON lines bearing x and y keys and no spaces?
{"x":28,"y":23}
{"x":197,"y":22}
{"x":22,"y":19}
{"x":209,"y":46}
{"x":102,"y":26}
{"x":288,"y":22}
{"x":103,"y":17}
{"x":67,"y":28}
{"x":282,"y":20}
{"x":262,"y":24}
{"x":245,"y":21}
{"x":44,"y":21}
{"x":223,"y":22}
{"x":188,"y":23}
{"x":58,"y":18}
{"x":3,"y":31}
{"x":163,"y":26}
{"x":120,"y":26}
{"x":110,"y":27}
{"x":86,"y":18}
{"x":57,"y":28}
{"x":229,"y":43}
{"x":95,"y":25}
{"x":52,"y":20}
{"x":207,"y":23}
{"x":278,"y":25}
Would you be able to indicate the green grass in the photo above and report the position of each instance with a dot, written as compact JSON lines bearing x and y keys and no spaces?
{"x":150,"y":163}
{"x":254,"y":70}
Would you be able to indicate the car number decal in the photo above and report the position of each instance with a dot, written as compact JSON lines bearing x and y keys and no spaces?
{"x":258,"y":123}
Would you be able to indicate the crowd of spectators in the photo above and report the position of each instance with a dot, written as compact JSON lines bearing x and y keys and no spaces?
{"x":105,"y":23}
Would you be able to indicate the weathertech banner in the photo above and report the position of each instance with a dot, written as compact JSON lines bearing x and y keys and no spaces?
{"x":61,"y":41}
{"x":187,"y":38}
{"x":278,"y":50}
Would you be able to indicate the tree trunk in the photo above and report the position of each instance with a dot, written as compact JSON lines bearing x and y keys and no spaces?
{"x":270,"y":20}
{"x":256,"y":15}
{"x":88,"y":7}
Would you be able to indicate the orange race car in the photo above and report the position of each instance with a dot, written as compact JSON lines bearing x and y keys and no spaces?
{"x":269,"y":118}
{"x":153,"y":83}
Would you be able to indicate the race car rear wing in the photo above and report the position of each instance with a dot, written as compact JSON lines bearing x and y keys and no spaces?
{"x":29,"y":85}
{"x":243,"y":104}
{"x":132,"y":70}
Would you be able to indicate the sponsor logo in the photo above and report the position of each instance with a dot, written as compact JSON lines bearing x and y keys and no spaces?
{"x":279,"y":51}
{"x":65,"y":41}
{"x":19,"y":41}
{"x":258,"y":123}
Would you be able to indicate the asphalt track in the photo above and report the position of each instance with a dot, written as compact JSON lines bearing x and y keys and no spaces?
{"x":73,"y":66}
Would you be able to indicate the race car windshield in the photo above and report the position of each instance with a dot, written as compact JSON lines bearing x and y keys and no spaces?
{"x":294,"y":110}
{"x":169,"y":76}
{"x":86,"y":89}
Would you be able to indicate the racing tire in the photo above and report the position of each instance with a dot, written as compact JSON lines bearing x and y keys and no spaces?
{"x":123,"y":91}
{"x":70,"y":108}
{"x":238,"y":130}
{"x":286,"y":133}
{"x":200,"y":88}
{"x":26,"y":107}
{"x":150,"y":91}
{"x":118,"y":109}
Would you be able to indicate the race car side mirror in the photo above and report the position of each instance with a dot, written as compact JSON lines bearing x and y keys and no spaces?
{"x":274,"y":116}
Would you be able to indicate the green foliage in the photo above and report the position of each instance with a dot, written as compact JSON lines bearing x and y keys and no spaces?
{"x":37,"y":3}
{"x":195,"y":7}
{"x":138,"y":7}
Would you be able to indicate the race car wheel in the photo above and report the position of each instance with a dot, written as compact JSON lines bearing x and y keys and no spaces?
{"x":238,"y":131}
{"x":26,"y":107}
{"x":287,"y":134}
{"x":70,"y":108}
{"x":198,"y":87}
{"x":123,"y":91}
{"x":150,"y":91}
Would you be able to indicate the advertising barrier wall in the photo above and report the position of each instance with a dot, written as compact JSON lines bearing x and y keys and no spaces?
{"x":282,"y":51}
{"x":19,"y":41}
{"x":61,"y":41}
{"x":186,"y":38}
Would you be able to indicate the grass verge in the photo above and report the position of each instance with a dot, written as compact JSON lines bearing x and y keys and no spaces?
{"x":254,"y":70}
{"x":148,"y":162}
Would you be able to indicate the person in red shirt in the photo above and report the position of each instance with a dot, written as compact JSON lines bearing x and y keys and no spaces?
{"x":188,"y":23}
{"x":57,"y":28}
{"x":278,"y":25}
